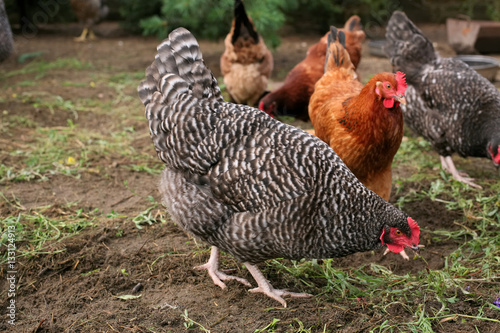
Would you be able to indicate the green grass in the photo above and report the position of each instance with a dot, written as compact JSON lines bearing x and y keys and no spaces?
{"x":71,"y":150}
{"x":40,"y":68}
{"x":37,"y":233}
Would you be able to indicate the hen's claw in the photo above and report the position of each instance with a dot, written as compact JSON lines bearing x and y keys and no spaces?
{"x":277,"y":293}
{"x":448,"y":165}
{"x":212,"y":266}
{"x":267,"y":289}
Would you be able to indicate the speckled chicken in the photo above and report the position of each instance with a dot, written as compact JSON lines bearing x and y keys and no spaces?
{"x":448,"y":103}
{"x":88,"y":13}
{"x":250,"y":185}
{"x":246,"y":62}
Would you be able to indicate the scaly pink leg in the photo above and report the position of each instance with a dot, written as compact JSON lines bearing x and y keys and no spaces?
{"x":448,"y":165}
{"x":212,"y":266}
{"x":266,"y":288}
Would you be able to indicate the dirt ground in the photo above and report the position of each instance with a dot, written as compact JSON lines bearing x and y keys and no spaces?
{"x":56,"y":295}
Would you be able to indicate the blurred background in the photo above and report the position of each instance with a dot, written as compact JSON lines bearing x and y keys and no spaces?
{"x":210,"y":19}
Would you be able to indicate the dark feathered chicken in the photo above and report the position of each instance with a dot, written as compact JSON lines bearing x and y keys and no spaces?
{"x":88,"y":12}
{"x":6,"y":42}
{"x":250,"y":185}
{"x":448,"y":103}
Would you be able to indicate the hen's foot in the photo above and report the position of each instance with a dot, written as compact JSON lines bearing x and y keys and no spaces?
{"x":448,"y":165}
{"x":82,"y":37}
{"x":266,"y":288}
{"x":92,"y":36}
{"x":212,"y":266}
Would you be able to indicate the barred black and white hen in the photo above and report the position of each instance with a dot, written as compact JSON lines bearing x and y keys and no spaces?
{"x":250,"y":185}
{"x":448,"y":103}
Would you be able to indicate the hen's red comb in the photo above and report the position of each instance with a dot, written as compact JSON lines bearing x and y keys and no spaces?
{"x":401,"y":80}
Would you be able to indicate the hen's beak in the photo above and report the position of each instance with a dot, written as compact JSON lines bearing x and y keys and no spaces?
{"x":401,"y":99}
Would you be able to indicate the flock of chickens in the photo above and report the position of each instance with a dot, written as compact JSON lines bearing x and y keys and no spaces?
{"x":257,"y":188}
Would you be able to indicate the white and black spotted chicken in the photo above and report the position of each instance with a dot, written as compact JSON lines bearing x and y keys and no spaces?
{"x":448,"y":103}
{"x":250,"y":185}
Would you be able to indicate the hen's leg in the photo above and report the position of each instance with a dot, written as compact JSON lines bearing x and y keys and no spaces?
{"x":92,"y":36}
{"x":212,"y":266}
{"x":265,"y":287}
{"x":448,"y":165}
{"x":82,"y":36}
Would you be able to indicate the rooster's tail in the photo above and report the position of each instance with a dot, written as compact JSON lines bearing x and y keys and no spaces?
{"x":336,"y":53}
{"x":406,"y":46}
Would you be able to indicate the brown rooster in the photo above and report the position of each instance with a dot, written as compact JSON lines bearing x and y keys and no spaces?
{"x":364,"y":125}
{"x":246,"y":62}
{"x":292,"y":98}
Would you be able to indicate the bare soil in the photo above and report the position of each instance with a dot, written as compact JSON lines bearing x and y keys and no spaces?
{"x":57,"y":295}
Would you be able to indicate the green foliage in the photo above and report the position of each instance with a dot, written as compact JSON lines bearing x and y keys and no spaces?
{"x":133,"y":11}
{"x":212,"y":19}
{"x":205,"y":19}
{"x":314,"y":15}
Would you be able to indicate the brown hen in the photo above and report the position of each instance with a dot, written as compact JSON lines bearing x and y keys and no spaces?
{"x":246,"y":62}
{"x":364,"y":125}
{"x":292,"y":98}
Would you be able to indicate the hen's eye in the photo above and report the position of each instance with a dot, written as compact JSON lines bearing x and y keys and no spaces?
{"x":398,"y":232}
{"x":388,"y":86}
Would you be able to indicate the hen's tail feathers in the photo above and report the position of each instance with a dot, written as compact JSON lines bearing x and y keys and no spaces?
{"x":242,"y":24}
{"x":178,"y":69}
{"x":179,"y":59}
{"x":336,"y":54}
{"x":353,"y":24}
{"x":406,"y":46}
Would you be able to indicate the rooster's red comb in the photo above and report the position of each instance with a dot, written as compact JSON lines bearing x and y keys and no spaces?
{"x":401,"y":80}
